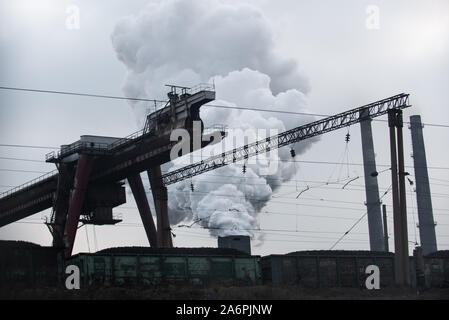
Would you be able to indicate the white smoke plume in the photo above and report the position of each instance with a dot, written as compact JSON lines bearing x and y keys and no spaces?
{"x":187,"y":42}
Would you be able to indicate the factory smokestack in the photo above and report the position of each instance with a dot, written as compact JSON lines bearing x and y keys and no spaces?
{"x":375,"y":227}
{"x":241,"y":243}
{"x":423,"y":195}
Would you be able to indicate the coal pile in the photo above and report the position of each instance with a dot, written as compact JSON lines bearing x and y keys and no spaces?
{"x":173,"y":251}
{"x":18,"y":244}
{"x":358,"y":253}
{"x":438,"y":254}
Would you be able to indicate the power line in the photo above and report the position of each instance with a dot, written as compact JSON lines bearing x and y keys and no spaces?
{"x":332,"y":163}
{"x":26,"y":146}
{"x":23,"y":159}
{"x":257,"y":230}
{"x":80,"y":94}
{"x":322,"y":186}
{"x":321,"y":200}
{"x":216,"y":182}
{"x":274,"y":160}
{"x":358,"y":221}
{"x":18,"y":170}
{"x":268,"y":109}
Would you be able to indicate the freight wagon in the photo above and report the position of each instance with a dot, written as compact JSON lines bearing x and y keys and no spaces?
{"x":329,"y":268}
{"x":122,"y":269}
{"x":28,"y":264}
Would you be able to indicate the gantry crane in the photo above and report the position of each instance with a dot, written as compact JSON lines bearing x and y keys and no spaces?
{"x":90,"y":171}
{"x":88,"y":182}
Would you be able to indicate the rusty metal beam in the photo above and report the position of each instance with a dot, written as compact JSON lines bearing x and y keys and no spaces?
{"x":135,"y":182}
{"x":61,"y":204}
{"x":160,"y":198}
{"x":83,"y":170}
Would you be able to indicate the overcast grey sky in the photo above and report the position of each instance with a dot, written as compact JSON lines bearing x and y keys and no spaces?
{"x":345,"y":64}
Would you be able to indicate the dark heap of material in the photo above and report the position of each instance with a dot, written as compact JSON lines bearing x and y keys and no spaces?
{"x":173,"y":251}
{"x":359,"y":253}
{"x":18,"y":244}
{"x":439,"y":254}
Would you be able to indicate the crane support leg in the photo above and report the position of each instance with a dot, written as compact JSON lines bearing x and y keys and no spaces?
{"x":85,"y":164}
{"x":135,"y":182}
{"x":160,"y":197}
{"x":61,"y":204}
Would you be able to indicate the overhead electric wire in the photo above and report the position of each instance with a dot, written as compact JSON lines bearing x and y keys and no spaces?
{"x":358,"y":221}
{"x":288,"y":232}
{"x":274,"y":160}
{"x":216,"y":182}
{"x":268,"y":109}
{"x":79,"y":94}
{"x":26,"y":146}
{"x":195,"y":235}
{"x":257,"y":230}
{"x":23,"y":159}
{"x":437,"y":195}
{"x":25,"y":171}
{"x":325,"y":200}
{"x":322,"y":162}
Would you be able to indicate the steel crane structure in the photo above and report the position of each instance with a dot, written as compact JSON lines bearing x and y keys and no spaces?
{"x":294,"y":135}
{"x":392,"y":106}
{"x":90,"y":172}
{"x":88,"y":182}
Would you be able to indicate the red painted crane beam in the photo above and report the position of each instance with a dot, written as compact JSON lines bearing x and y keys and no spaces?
{"x":83,"y":170}
{"x":135,"y":182}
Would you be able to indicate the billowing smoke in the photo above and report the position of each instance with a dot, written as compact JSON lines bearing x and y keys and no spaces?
{"x":188,"y":42}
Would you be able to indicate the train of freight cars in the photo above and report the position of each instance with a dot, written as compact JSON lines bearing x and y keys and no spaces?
{"x":34,"y":265}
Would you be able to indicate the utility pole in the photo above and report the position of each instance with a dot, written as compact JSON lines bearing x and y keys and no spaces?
{"x":403,"y":198}
{"x":401,"y":256}
{"x":384,"y":210}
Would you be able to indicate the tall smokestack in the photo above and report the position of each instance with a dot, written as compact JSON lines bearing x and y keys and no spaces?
{"x":376,"y":237}
{"x":423,"y":195}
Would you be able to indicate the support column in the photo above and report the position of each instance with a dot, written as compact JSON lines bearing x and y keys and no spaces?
{"x":384,"y":210}
{"x":401,"y":260}
{"x":371,"y":186}
{"x":77,"y":195}
{"x":160,"y":197}
{"x":403,"y":199}
{"x":135,"y":182}
{"x":61,"y":204}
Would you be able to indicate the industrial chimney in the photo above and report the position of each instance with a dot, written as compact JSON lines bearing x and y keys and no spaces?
{"x":241,"y":243}
{"x":423,"y":195}
{"x":375,"y":228}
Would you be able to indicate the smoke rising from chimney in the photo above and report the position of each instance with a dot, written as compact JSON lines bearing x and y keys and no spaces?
{"x":188,"y":42}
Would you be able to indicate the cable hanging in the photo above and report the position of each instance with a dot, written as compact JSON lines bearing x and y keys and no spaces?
{"x":358,"y":221}
{"x":344,"y":159}
{"x":413,"y":210}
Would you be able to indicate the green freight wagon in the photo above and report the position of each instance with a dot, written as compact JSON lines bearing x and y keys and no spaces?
{"x":436,"y":269}
{"x":329,"y":268}
{"x":121,"y":269}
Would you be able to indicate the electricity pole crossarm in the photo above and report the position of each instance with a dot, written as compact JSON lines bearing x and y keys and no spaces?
{"x":300,"y":133}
